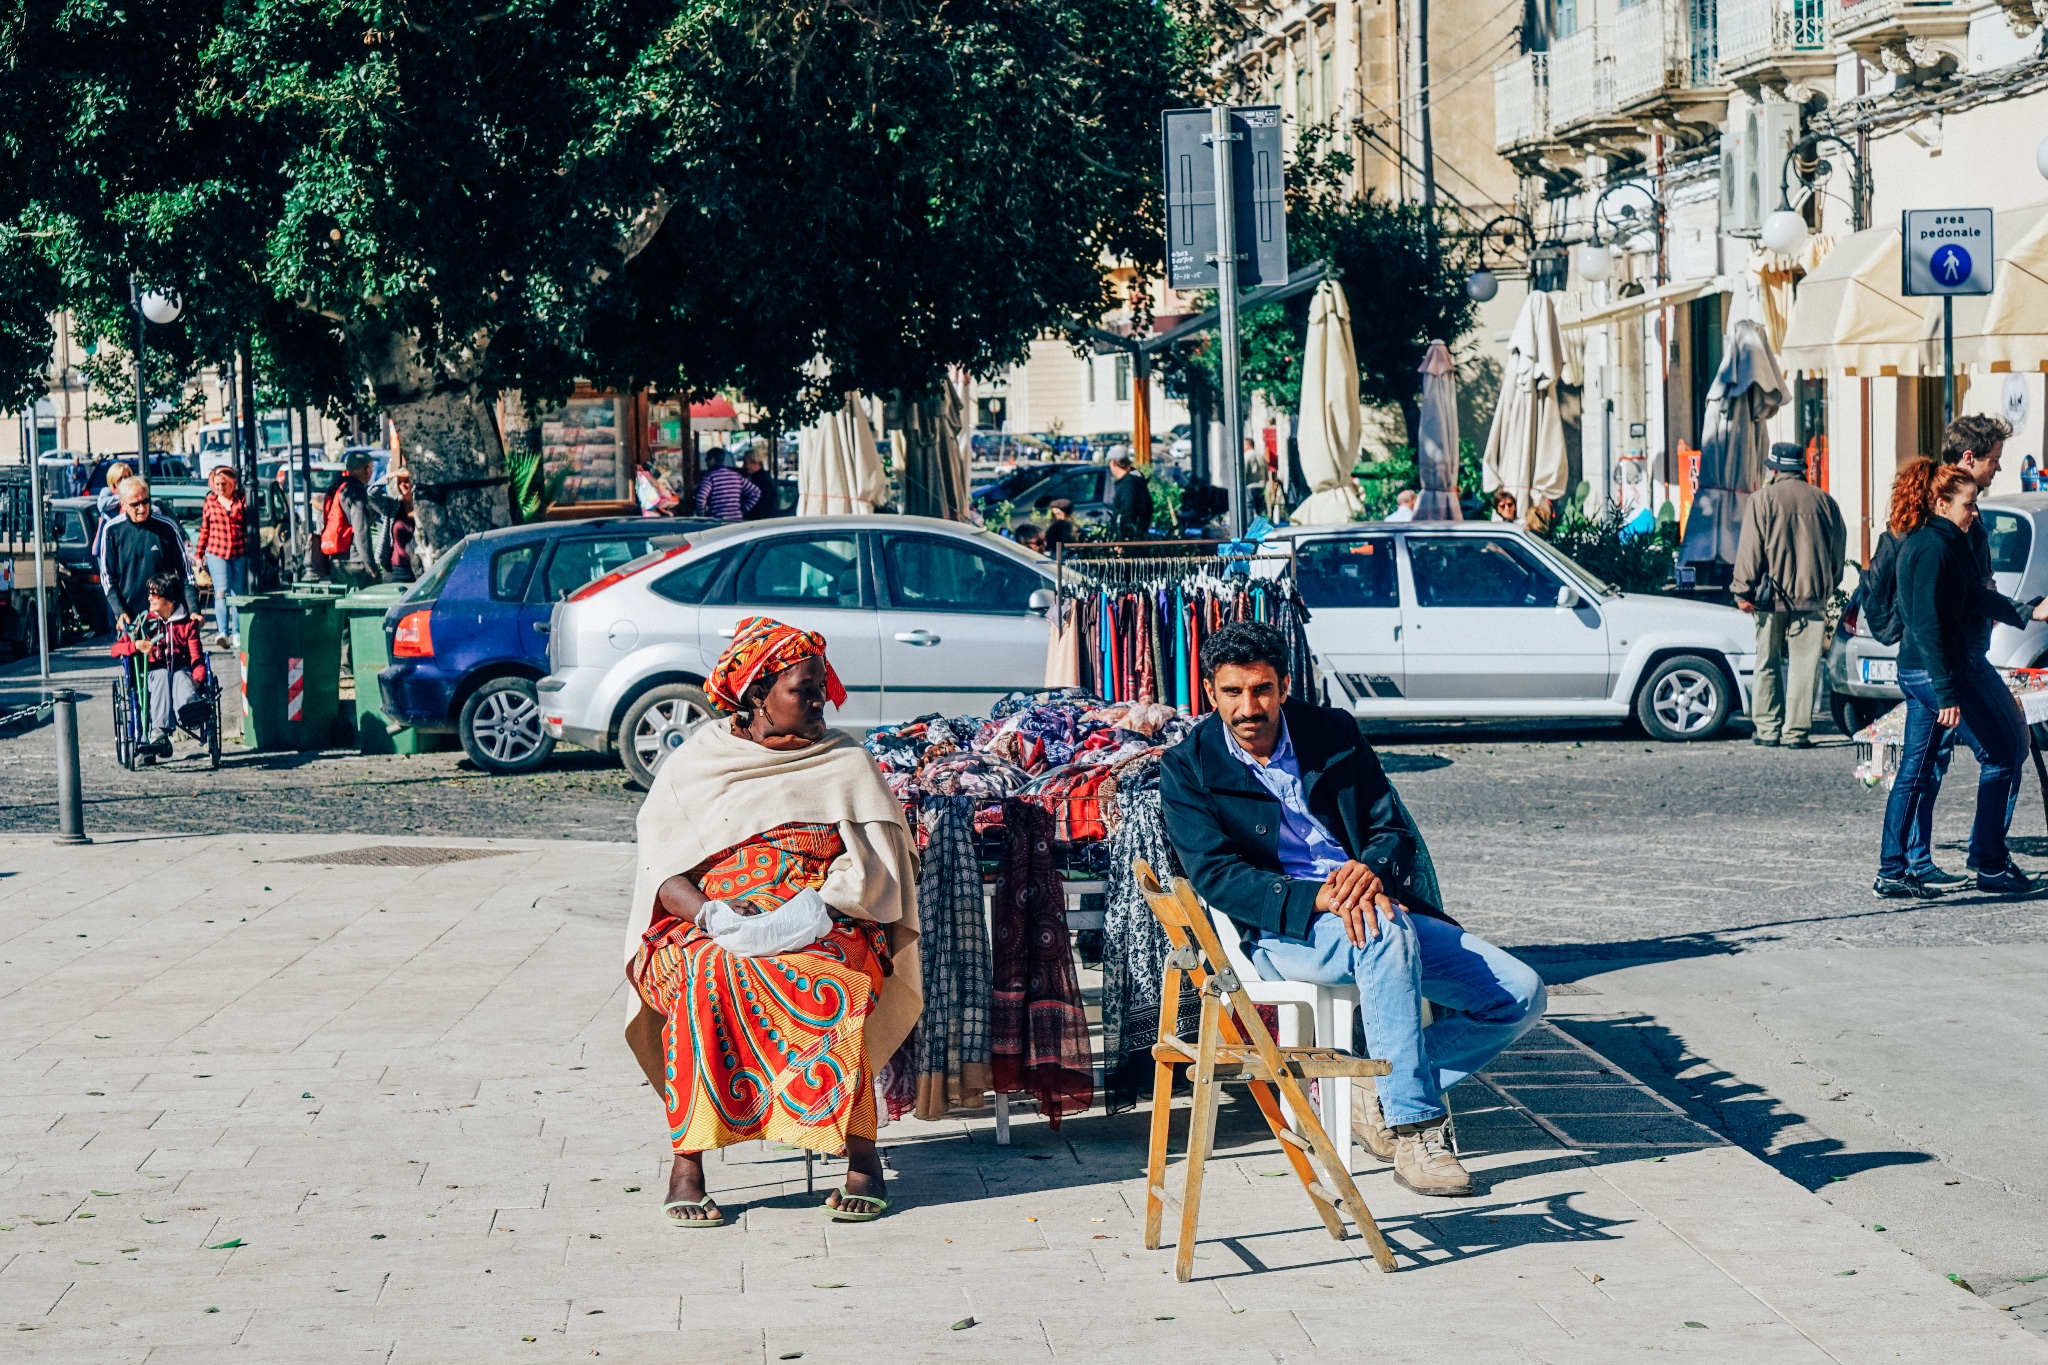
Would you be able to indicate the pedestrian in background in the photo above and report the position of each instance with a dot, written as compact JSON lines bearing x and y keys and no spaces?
{"x":1059,"y":525}
{"x":1787,"y":566}
{"x":137,"y":546}
{"x":725,"y":493}
{"x":1944,"y":608}
{"x":756,"y":473}
{"x":1504,"y":507}
{"x":1404,"y":506}
{"x":1130,"y":499}
{"x":1030,"y":535}
{"x":392,"y":500}
{"x":224,"y":545}
{"x":345,"y":526}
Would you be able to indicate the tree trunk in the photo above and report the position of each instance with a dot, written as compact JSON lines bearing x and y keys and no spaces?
{"x":1411,"y":417}
{"x":448,"y":433}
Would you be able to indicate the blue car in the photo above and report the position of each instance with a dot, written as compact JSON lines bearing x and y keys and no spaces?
{"x":469,"y":640}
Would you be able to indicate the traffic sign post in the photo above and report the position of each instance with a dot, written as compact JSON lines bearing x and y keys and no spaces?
{"x":1947,"y":252}
{"x":1204,"y":149}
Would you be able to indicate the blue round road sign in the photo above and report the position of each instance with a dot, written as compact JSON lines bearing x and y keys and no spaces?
{"x":1950,"y":266}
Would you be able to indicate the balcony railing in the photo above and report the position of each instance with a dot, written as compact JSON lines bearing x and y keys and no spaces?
{"x":1521,"y":100}
{"x":1581,"y":78}
{"x":1661,"y":45}
{"x":1753,"y":30}
{"x":1852,"y":16}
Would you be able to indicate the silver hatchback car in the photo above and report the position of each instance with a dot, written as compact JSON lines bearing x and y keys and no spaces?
{"x":920,"y":615}
{"x":1863,"y":672}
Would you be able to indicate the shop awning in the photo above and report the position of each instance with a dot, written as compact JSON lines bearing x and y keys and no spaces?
{"x":716,"y":415}
{"x":1663,"y":296}
{"x":2008,"y":331}
{"x":1849,"y":316}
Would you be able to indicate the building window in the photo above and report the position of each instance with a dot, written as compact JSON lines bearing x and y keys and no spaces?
{"x":1123,"y":379}
{"x":1564,"y":18}
{"x":1328,"y":63}
{"x":1303,"y":114}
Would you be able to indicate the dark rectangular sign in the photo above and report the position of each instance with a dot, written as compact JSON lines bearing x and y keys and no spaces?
{"x":1260,"y":201}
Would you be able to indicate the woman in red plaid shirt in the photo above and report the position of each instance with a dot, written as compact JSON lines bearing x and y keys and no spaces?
{"x":224,"y":541}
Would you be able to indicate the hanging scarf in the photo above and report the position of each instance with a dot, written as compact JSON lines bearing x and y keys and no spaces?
{"x":1040,"y":1033}
{"x":953,"y":1036}
{"x":1134,"y":950}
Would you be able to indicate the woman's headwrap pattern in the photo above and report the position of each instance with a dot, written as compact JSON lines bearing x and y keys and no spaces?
{"x":762,"y":647}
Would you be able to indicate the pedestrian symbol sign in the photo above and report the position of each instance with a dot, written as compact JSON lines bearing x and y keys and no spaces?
{"x":1947,"y":251}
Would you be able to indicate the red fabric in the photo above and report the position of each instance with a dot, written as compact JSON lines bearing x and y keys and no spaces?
{"x":1038,"y":1030}
{"x":762,"y":647}
{"x":222,"y":528}
{"x":337,"y":537}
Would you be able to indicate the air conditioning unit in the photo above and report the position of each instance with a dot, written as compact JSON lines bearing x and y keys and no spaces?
{"x":1753,"y":148}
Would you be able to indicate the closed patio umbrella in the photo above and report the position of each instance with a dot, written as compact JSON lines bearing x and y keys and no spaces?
{"x":1747,"y":390}
{"x":1436,"y":439}
{"x":839,"y":470}
{"x":1328,"y":432}
{"x":935,"y":474}
{"x":1525,"y":450}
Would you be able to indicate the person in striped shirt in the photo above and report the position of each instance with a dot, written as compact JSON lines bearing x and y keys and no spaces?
{"x":725,"y":493}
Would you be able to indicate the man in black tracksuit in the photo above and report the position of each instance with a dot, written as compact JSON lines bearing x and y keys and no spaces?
{"x":140,"y":545}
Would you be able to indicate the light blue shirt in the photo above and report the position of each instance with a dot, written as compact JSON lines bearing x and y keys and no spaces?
{"x":1307,"y":851}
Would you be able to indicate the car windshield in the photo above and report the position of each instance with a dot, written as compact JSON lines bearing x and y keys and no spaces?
{"x":1586,"y":575}
{"x":430,"y":587}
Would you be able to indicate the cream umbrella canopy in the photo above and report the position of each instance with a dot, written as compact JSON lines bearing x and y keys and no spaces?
{"x":1436,"y":438}
{"x":839,"y":470}
{"x":1748,"y":389}
{"x":1330,"y":425}
{"x":1525,"y":450}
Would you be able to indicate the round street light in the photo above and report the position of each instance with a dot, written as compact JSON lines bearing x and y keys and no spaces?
{"x":1594,"y":262}
{"x":161,"y":308}
{"x":1481,"y":285}
{"x":1784,"y":232}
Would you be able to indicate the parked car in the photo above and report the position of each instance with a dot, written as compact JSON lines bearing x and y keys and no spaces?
{"x":469,"y":640}
{"x":920,"y":615}
{"x":1863,"y":672}
{"x":1458,"y":621}
{"x":1087,"y":485}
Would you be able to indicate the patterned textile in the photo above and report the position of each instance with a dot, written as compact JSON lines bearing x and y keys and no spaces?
{"x":762,"y":647}
{"x":953,"y":1036}
{"x":222,"y":529}
{"x":790,"y":1064}
{"x":982,"y":775}
{"x":727,"y":494}
{"x":1040,"y":1042}
{"x":771,"y":867}
{"x":767,"y":1046}
{"x":1134,"y":950}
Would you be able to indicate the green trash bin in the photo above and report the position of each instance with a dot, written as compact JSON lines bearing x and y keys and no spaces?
{"x":291,"y":670}
{"x":367,"y":653}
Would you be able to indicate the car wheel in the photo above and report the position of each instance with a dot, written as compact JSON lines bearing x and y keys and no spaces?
{"x":502,"y":730}
{"x":1685,"y":698}
{"x":657,"y":723}
{"x":1853,"y":713}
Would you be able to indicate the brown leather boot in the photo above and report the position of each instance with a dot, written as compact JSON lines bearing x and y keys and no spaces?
{"x":1423,"y":1160}
{"x":1367,"y":1124}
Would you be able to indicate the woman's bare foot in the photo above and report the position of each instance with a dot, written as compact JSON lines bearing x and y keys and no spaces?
{"x":686,"y":1186}
{"x":863,"y":1177}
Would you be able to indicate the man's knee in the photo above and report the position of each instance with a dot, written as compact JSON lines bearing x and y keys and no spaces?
{"x":1523,"y":996}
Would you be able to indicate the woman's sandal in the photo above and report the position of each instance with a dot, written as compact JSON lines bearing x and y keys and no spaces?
{"x":840,"y":1214}
{"x":717,"y":1220}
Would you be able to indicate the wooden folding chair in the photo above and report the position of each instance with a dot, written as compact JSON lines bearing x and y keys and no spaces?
{"x":1234,"y":1044}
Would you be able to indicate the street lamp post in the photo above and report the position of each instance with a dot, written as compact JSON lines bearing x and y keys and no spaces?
{"x":149,"y":307}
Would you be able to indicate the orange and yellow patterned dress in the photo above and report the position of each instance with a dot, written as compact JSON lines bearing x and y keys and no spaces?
{"x":765,"y":1047}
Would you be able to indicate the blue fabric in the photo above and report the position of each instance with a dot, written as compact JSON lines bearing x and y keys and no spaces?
{"x":1995,"y":731}
{"x":230,"y":578}
{"x":1485,"y":1000}
{"x":1306,"y":849}
{"x":1923,"y":765}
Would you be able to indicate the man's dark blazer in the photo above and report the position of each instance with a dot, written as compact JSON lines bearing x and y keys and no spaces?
{"x":1225,"y":825}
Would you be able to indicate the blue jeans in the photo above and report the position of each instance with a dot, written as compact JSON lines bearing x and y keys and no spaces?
{"x":1995,"y":731}
{"x":230,"y":577}
{"x":1486,"y":999}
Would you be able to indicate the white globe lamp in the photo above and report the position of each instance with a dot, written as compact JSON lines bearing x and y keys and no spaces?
{"x":1784,"y":232}
{"x":161,"y":308}
{"x":1594,"y":262}
{"x":1481,"y":285}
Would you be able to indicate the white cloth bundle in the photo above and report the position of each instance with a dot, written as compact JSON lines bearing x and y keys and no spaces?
{"x":798,"y":922}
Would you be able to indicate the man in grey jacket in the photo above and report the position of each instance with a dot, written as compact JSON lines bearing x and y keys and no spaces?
{"x":1787,"y":566}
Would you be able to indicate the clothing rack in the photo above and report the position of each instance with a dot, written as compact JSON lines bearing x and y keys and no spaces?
{"x":1151,"y":563}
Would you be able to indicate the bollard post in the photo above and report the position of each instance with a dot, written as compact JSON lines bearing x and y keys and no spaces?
{"x":70,"y":794}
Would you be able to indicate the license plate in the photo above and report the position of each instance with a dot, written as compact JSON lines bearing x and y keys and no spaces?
{"x":1880,"y":670}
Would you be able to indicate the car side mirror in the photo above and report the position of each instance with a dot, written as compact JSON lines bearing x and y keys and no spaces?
{"x":1041,"y":602}
{"x":1567,"y":596}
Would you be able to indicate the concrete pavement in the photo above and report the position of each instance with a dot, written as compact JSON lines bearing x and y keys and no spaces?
{"x":270,"y":1097}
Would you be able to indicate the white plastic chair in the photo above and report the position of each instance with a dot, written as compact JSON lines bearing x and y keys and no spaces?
{"x":1329,"y":1010}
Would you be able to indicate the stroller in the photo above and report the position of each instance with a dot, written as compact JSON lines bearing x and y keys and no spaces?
{"x":200,"y":717}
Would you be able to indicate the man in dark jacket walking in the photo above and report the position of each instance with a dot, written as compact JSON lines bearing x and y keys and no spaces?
{"x":137,"y":546}
{"x":1130,"y":499}
{"x":1286,"y":823}
{"x":1787,"y":566}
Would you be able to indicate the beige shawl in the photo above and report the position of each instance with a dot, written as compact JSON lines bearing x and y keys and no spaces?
{"x":719,"y":790}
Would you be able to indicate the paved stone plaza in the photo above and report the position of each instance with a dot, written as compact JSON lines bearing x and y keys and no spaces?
{"x":265,"y":1104}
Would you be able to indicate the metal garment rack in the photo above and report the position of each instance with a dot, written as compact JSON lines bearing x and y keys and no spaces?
{"x":1091,"y":561}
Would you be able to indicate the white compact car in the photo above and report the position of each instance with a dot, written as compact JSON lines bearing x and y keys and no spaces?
{"x":920,"y":616}
{"x":1481,"y":620}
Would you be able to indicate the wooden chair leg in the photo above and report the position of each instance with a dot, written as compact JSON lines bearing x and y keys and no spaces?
{"x":1201,"y":1134}
{"x":1155,"y":1158}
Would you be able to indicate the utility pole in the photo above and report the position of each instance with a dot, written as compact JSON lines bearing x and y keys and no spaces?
{"x":141,"y":390}
{"x":1422,"y":103}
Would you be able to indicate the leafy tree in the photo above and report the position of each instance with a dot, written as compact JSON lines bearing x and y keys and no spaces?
{"x":426,"y":207}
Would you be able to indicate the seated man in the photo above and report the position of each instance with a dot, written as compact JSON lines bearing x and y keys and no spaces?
{"x":1285,"y":822}
{"x":177,"y":660}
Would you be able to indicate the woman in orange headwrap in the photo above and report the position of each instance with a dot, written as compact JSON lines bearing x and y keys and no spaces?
{"x":773,"y":941}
